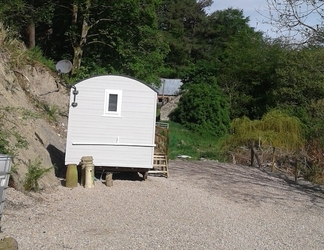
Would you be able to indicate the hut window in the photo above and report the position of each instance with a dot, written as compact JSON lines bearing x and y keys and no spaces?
{"x":113,"y":102}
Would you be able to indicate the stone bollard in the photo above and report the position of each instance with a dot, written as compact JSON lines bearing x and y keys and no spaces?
{"x":109,"y":180}
{"x":71,"y":176}
{"x":89,"y":175}
{"x":8,"y":243}
{"x":85,"y":160}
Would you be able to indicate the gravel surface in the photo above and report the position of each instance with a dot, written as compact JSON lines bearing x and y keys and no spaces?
{"x":203,"y":205}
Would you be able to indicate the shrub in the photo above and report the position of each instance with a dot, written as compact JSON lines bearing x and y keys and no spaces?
{"x":35,"y":172}
{"x":314,"y":174}
{"x":203,"y":109}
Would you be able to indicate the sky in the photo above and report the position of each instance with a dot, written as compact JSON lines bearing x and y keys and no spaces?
{"x":258,"y":11}
{"x":250,"y":9}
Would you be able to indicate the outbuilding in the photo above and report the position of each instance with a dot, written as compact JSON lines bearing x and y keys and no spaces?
{"x":112,"y":118}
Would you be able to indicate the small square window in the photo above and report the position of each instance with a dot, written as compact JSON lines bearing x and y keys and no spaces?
{"x":113,"y":99}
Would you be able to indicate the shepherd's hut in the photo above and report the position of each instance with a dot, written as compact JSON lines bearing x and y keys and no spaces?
{"x":112,"y":118}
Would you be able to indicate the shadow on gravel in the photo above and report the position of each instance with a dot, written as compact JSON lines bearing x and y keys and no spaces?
{"x":246,"y":185}
{"x":315,"y":192}
{"x":126,"y":176}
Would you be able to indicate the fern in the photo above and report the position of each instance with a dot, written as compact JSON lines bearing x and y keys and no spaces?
{"x":35,"y":172}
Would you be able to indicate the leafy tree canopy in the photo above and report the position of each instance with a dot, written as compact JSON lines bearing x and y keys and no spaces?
{"x":203,"y":106}
{"x":276,"y":129}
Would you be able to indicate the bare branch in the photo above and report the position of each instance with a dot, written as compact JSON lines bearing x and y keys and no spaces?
{"x":298,"y":21}
{"x":101,"y":42}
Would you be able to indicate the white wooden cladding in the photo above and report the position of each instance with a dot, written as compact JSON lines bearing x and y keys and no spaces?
{"x":123,"y":140}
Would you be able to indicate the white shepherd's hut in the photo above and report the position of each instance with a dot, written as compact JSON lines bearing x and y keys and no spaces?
{"x":112,"y":118}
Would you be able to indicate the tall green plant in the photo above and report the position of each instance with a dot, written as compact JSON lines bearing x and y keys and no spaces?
{"x":35,"y":172}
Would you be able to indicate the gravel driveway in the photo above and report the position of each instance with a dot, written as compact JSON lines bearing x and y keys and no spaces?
{"x":203,"y":205}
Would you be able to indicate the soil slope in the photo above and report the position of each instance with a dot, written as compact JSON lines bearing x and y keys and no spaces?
{"x":33,"y":112}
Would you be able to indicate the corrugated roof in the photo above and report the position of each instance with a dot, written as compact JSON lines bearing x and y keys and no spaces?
{"x":169,"y":86}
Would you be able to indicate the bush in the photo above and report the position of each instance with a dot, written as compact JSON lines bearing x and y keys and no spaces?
{"x":314,"y":174}
{"x":203,"y":109}
{"x":35,"y":172}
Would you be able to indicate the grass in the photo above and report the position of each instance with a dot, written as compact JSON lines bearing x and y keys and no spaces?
{"x":10,"y":138}
{"x":314,"y":174}
{"x":20,"y":56}
{"x":51,"y":112}
{"x":36,"y":55}
{"x":185,"y":142}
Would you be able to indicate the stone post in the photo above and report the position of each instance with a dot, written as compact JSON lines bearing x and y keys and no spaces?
{"x":71,"y":176}
{"x":85,"y":160}
{"x":109,"y":180}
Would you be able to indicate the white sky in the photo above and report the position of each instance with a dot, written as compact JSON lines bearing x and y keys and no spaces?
{"x":250,"y":9}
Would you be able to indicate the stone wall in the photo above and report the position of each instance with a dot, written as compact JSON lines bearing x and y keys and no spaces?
{"x":168,"y":108}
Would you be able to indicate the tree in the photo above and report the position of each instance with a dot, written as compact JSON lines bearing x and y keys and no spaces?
{"x":247,"y":62}
{"x":181,"y":22}
{"x":76,"y":22}
{"x":294,"y":20}
{"x":203,"y":107}
{"x":276,"y":129}
{"x":120,"y":37}
{"x":23,"y":16}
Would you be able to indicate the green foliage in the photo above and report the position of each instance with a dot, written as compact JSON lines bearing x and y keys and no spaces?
{"x":87,"y":70}
{"x":203,"y":108}
{"x":276,"y":129}
{"x":281,"y":130}
{"x":4,"y":143}
{"x":21,"y":141}
{"x":121,"y":37}
{"x":247,"y":73}
{"x":26,"y":114}
{"x":10,"y":139}
{"x":17,"y":15}
{"x":51,"y":111}
{"x":314,"y":121}
{"x":186,"y":142}
{"x":299,"y":78}
{"x":180,"y":23}
{"x":20,"y":56}
{"x":35,"y":55}
{"x":314,"y":173}
{"x":35,"y":172}
{"x":311,"y":116}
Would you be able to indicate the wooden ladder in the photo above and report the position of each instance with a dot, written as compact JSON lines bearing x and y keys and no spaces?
{"x":160,"y":165}
{"x":161,"y":150}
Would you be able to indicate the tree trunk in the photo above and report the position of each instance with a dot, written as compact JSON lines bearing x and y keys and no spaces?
{"x":252,"y":152}
{"x":31,"y":35}
{"x":79,"y":44}
{"x":77,"y":57}
{"x":257,"y":157}
{"x":31,"y":29}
